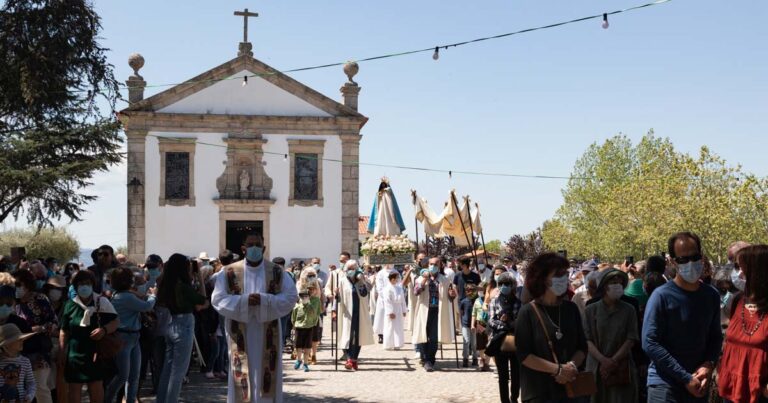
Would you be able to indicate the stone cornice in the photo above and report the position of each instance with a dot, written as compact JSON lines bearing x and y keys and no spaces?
{"x":191,"y":122}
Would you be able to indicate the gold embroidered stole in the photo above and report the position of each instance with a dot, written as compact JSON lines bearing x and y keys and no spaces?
{"x":237,"y":338}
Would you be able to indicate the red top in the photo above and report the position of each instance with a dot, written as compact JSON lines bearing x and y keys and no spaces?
{"x":743,"y":371}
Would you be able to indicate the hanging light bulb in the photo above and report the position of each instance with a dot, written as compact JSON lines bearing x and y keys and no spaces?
{"x":605,"y":21}
{"x":436,"y":55}
{"x":450,"y":174}
{"x":245,"y":81}
{"x":285,"y":157}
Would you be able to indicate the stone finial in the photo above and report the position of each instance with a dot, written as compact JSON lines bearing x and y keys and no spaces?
{"x":245,"y":49}
{"x":351,"y":69}
{"x":136,"y":61}
{"x":136,"y":83}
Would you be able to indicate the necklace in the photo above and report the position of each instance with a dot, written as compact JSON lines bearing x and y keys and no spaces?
{"x":744,"y":323}
{"x":558,"y":333}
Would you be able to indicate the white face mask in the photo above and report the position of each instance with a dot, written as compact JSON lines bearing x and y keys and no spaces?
{"x":739,"y":283}
{"x":614,"y":291}
{"x":559,"y":285}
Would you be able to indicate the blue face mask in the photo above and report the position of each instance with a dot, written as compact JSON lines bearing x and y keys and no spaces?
{"x":351,"y":273}
{"x":433,"y":269}
{"x":39,"y":284}
{"x":5,"y":311}
{"x":691,"y":271}
{"x":505,"y":289}
{"x":142,"y":288}
{"x":254,"y":254}
{"x":154,"y":273}
{"x":84,"y":291}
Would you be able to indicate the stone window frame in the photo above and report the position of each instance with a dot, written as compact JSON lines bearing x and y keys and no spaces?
{"x":177,"y":144}
{"x":306,"y":147}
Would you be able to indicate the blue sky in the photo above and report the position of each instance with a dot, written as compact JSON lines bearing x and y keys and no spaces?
{"x":694,"y":71}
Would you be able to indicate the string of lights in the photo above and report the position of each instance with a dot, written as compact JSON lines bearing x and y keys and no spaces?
{"x":449,"y":172}
{"x":434,"y":49}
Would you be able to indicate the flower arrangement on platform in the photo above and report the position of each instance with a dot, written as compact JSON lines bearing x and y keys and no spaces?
{"x":388,"y":245}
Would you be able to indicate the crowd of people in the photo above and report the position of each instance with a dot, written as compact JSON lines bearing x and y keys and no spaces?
{"x":671,"y":328}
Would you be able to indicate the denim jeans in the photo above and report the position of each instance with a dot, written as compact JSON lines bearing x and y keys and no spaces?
{"x":213,"y":353}
{"x":222,"y":362}
{"x":178,"y":351}
{"x":429,"y":349}
{"x":128,"y":361}
{"x":671,"y":394}
{"x":352,"y":352}
{"x":470,"y":343}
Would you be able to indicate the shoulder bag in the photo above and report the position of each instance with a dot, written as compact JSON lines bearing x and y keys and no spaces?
{"x":584,"y":384}
{"x":110,"y":344}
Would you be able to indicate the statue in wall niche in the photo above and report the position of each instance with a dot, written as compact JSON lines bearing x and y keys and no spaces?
{"x":245,"y":180}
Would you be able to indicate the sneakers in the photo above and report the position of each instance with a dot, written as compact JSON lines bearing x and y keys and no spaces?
{"x":474,"y":362}
{"x":348,"y":365}
{"x":429,"y":367}
{"x":297,"y":364}
{"x":306,"y":368}
{"x":354,"y":365}
{"x":465,"y":363}
{"x":210,"y":375}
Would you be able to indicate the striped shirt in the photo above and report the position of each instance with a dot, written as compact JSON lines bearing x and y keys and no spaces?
{"x":16,"y":371}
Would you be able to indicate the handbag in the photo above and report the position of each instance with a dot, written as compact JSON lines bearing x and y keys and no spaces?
{"x":508,"y":345}
{"x":109,"y":345}
{"x":584,"y":384}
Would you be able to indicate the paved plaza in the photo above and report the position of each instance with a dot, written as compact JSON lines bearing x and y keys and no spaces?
{"x":384,"y":376}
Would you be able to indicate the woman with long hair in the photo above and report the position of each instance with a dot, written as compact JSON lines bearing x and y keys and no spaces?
{"x":176,"y":293}
{"x":549,"y":334}
{"x":743,"y":372}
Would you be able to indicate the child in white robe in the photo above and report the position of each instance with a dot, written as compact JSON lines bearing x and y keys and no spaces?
{"x":395,"y":310}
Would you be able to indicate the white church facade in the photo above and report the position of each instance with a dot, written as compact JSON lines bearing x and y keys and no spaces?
{"x":238,"y":148}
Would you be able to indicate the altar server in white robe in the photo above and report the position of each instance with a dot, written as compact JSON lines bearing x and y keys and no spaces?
{"x":381,"y":284}
{"x":433,"y":321}
{"x":356,"y":330}
{"x":394,"y":311}
{"x":251,"y":295}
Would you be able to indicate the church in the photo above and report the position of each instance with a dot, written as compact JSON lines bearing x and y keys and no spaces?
{"x":242,"y":147}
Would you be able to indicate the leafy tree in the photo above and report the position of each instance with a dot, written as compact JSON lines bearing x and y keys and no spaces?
{"x":525,"y":246}
{"x":53,"y":134}
{"x":494,"y":246}
{"x":48,"y":242}
{"x":626,"y":199}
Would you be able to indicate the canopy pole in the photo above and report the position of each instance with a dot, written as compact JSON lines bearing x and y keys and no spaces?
{"x":463,"y":227}
{"x":482,"y":239}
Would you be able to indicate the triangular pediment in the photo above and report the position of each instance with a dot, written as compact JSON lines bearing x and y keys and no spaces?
{"x":221,"y":91}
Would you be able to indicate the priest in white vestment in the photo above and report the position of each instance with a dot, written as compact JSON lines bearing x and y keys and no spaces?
{"x":253,"y":306}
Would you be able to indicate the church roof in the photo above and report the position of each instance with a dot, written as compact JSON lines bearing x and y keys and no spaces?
{"x":196,"y":84}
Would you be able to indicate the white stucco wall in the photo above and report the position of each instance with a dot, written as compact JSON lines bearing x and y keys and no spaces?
{"x":259,"y":97}
{"x":295,"y":232}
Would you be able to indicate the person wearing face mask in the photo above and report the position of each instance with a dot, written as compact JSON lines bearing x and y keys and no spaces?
{"x":252,"y":295}
{"x":464,"y":277}
{"x":394,"y":311}
{"x":87,"y":319}
{"x":611,"y":331}
{"x":381,"y":282}
{"x":503,"y":314}
{"x":549,"y":333}
{"x":308,"y":280}
{"x":35,"y":308}
{"x":681,"y":329}
{"x":733,"y":265}
{"x":153,"y":268}
{"x":409,"y":280}
{"x":304,"y":317}
{"x":355,"y":330}
{"x":7,"y":315}
{"x":128,"y":306}
{"x":55,"y":290}
{"x":433,"y":320}
{"x":479,"y":322}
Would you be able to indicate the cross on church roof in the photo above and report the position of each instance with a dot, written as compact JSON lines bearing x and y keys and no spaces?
{"x":245,"y":46}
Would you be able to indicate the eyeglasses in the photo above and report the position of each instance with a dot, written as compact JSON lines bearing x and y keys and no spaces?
{"x":687,"y":259}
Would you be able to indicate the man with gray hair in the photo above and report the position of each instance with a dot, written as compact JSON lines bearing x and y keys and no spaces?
{"x":355,"y":320}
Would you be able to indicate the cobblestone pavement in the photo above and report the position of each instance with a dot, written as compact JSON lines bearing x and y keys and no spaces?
{"x":384,"y":376}
{"x":388,"y":376}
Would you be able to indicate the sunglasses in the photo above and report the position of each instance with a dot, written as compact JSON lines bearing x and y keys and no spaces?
{"x":687,"y":259}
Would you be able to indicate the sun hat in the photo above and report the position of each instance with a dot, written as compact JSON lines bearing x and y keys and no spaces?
{"x":10,"y":333}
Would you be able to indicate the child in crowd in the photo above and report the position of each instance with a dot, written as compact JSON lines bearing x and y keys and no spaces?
{"x":304,"y":317}
{"x":465,"y":310}
{"x":478,"y":325}
{"x":17,"y":382}
{"x":394,"y":310}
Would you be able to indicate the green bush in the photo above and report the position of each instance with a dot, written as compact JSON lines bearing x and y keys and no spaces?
{"x":57,"y":243}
